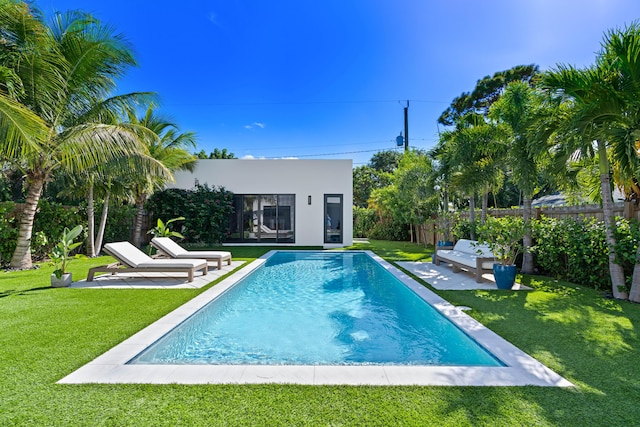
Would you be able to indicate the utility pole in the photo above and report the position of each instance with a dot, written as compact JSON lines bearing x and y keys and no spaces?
{"x":406,"y":127}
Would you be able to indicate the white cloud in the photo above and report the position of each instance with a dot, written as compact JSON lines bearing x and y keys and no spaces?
{"x":213,"y":18}
{"x":255,"y":125}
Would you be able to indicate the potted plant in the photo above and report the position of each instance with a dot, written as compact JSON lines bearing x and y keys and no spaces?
{"x":504,"y":238}
{"x":61,"y":256}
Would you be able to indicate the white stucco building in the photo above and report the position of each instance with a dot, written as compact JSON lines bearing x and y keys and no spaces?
{"x":289,"y":201}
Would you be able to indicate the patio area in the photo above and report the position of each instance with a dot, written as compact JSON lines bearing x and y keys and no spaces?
{"x":157,"y":280}
{"x":443,"y":278}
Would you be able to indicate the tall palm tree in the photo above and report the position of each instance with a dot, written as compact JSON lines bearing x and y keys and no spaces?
{"x":169,"y":147}
{"x":478,"y":156}
{"x":55,"y":113}
{"x":517,"y":109}
{"x":593,"y":108}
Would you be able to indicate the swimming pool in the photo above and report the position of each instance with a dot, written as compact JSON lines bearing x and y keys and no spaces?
{"x":318,"y":308}
{"x":517,"y":367}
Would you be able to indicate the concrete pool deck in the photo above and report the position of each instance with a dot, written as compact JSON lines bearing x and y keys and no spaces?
{"x":520,"y":369}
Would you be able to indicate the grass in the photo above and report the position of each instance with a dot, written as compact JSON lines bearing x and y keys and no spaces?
{"x":47,"y":333}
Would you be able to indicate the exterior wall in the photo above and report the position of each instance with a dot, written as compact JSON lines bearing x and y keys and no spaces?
{"x":303,"y":178}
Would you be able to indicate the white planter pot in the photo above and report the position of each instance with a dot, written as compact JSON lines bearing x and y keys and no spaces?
{"x":62,"y":282}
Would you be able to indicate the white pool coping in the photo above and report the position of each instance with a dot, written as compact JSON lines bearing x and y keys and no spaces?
{"x":520,"y":370}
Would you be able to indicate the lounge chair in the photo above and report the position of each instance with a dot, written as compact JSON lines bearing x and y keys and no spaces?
{"x":131,"y":259}
{"x":169,"y":248}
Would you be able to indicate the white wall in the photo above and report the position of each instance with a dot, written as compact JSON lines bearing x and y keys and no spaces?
{"x":303,"y":178}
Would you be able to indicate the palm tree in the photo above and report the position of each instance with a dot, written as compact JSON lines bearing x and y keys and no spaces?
{"x":593,"y":110}
{"x":169,"y":147}
{"x":474,"y":148}
{"x":54,"y":109}
{"x":518,"y":108}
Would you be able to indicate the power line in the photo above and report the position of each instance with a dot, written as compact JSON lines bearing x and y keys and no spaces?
{"x":335,"y":154}
{"x":252,"y":103}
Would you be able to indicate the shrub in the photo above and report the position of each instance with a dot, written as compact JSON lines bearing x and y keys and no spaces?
{"x":388,"y":229}
{"x":206,"y":211}
{"x":8,"y":232}
{"x":572,"y":249}
{"x":49,"y":225}
{"x":364,"y":220}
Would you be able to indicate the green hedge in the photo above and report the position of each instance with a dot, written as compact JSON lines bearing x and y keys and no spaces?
{"x":50,"y":221}
{"x":206,"y":211}
{"x":575,"y":249}
{"x":572,"y":249}
{"x":364,"y":220}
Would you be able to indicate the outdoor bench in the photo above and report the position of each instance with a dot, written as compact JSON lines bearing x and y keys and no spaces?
{"x":468,"y":255}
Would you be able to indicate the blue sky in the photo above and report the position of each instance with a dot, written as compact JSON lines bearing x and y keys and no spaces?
{"x":329,"y":78}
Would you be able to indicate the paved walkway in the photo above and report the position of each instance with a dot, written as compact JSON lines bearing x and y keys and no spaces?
{"x":443,"y":278}
{"x":157,"y":280}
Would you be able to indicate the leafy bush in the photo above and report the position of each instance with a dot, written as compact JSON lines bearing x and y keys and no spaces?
{"x":504,"y":237}
{"x":49,"y":224}
{"x":364,"y":220}
{"x":119,"y":220}
{"x":627,"y":238}
{"x":206,"y":211}
{"x":8,"y":232}
{"x":463,"y":228}
{"x":388,"y":229}
{"x":572,"y":249}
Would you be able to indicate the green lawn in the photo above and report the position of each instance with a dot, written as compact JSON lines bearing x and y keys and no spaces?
{"x":47,"y":333}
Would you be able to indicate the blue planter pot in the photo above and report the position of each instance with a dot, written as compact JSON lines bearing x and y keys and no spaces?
{"x":505,"y":275}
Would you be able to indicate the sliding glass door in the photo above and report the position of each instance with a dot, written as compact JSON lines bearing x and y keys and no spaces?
{"x":264,"y":218}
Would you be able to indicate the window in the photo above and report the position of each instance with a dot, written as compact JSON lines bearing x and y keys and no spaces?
{"x":333,"y":218}
{"x":264,"y":218}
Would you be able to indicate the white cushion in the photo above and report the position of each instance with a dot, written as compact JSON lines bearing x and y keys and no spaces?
{"x":173,"y":263}
{"x":472,"y":247}
{"x":127,"y":253}
{"x":463,"y":258}
{"x":134,"y":257}
{"x":174,"y":250}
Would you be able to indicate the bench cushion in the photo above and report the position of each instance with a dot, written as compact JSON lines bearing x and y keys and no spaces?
{"x":173,"y":263}
{"x":463,"y":258}
{"x":472,"y":247}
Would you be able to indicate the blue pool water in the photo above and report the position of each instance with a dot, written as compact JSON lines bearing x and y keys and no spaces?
{"x":318,"y":308}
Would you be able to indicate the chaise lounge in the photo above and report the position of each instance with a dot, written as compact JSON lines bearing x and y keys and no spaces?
{"x":133,"y":260}
{"x":171,"y":249}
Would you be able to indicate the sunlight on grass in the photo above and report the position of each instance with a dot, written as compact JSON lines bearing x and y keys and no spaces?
{"x":47,"y":333}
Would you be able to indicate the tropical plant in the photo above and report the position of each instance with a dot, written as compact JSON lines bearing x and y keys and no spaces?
{"x":516,"y":111}
{"x":215,"y":154}
{"x":602,"y":121}
{"x":162,"y":229}
{"x":504,"y":237}
{"x":61,"y":252}
{"x":55,"y":113}
{"x":169,"y":147}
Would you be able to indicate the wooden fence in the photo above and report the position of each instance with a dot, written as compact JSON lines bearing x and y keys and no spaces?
{"x":428,"y":233}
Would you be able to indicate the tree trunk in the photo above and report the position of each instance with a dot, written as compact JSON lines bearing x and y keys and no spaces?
{"x":485,"y":207}
{"x":22,"y":255}
{"x":103,"y":223}
{"x":615,"y":269}
{"x":527,"y":241}
{"x":634,"y":293}
{"x":137,"y":230}
{"x":472,"y":216}
{"x":91,"y":224}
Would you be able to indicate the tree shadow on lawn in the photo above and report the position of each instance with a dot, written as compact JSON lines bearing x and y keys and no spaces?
{"x":10,"y":292}
{"x":591,"y":341}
